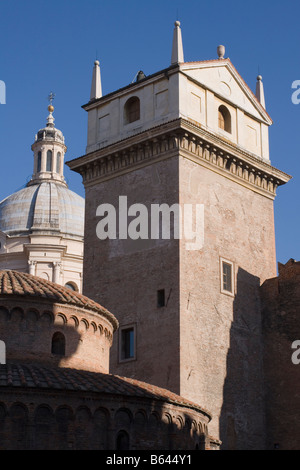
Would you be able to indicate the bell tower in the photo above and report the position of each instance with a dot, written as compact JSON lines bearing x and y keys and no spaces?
{"x":192,"y":137}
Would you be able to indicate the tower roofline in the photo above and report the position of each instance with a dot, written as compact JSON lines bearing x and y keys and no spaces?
{"x":94,"y":102}
{"x":181,"y":68}
{"x":220,"y":156}
{"x":227,"y":63}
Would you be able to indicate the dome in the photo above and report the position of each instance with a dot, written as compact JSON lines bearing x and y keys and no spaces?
{"x":50,"y":133}
{"x":47,"y":206}
{"x":42,"y":225}
{"x":22,"y":284}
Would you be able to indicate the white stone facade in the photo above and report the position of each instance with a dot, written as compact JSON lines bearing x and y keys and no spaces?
{"x":194,"y":91}
{"x":42,"y":225}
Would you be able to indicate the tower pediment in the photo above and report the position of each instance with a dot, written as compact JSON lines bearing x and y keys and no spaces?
{"x":221,"y":77}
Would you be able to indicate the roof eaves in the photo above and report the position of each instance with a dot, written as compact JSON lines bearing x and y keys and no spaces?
{"x":130,"y":85}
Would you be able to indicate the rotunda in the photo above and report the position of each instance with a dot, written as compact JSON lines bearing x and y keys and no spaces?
{"x":55,"y":389}
{"x":42,"y":225}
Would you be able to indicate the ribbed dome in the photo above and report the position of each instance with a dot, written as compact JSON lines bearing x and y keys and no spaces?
{"x":23,"y":284}
{"x":47,"y":206}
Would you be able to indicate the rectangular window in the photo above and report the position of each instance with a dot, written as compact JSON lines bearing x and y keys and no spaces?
{"x":227,"y":277}
{"x":127,"y":343}
{"x":161,"y":298}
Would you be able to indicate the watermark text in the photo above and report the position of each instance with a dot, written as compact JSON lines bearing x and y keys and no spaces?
{"x":2,"y":92}
{"x":296,"y":93}
{"x":296,"y":354}
{"x":161,"y":221}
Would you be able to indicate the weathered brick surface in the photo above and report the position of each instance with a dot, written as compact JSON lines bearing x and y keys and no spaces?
{"x":220,"y":340}
{"x":204,"y":344}
{"x":69,"y":401}
{"x":281,"y":327}
{"x":124,"y":275}
{"x":33,"y":310}
{"x":43,"y":408}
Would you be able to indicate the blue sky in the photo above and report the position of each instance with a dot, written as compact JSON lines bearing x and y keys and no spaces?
{"x":51,"y":46}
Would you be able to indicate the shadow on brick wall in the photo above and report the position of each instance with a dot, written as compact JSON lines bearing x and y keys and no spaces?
{"x":65,"y":409}
{"x":281,"y":328}
{"x":242,"y":414}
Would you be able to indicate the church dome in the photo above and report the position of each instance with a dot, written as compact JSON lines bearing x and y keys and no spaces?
{"x":45,"y":206}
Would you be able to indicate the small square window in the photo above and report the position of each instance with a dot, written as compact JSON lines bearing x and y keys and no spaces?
{"x":127,"y":343}
{"x":161,"y":298}
{"x":227,"y":283}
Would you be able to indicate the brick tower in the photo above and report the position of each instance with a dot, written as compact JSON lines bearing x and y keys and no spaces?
{"x":195,"y":136}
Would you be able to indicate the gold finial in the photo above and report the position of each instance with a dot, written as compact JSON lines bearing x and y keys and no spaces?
{"x":51,"y":98}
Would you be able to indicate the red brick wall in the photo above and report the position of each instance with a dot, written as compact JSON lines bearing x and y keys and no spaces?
{"x":27,"y":328}
{"x":281,"y":327}
{"x":63,"y":420}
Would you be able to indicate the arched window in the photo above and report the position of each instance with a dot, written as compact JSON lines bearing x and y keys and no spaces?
{"x":224,"y":119}
{"x":71,"y":286}
{"x":49,"y":161}
{"x":58,"y":346}
{"x":122,"y":441}
{"x":39,"y":162}
{"x":132,"y":110}
{"x":58,"y":160}
{"x":19,"y":426}
{"x":44,"y":428}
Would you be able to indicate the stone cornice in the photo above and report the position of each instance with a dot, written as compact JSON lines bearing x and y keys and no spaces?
{"x":189,"y":140}
{"x":31,"y":247}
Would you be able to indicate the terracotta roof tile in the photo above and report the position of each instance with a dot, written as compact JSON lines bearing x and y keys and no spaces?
{"x":36,"y":376}
{"x":17,"y":283}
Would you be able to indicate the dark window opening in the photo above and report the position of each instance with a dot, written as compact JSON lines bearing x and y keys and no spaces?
{"x":227,"y":277}
{"x":58,"y":346}
{"x":127,"y":343}
{"x":49,"y":161}
{"x":132,"y":110}
{"x":71,"y":286}
{"x":39,"y":162}
{"x":122,"y":441}
{"x":224,"y":119}
{"x":161,"y":298}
